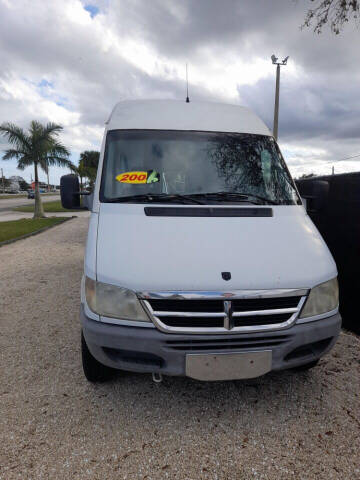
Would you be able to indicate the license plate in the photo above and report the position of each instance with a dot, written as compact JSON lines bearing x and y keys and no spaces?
{"x":228,"y":366}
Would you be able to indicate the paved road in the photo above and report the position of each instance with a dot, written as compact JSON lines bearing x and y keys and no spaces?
{"x":54,"y":425}
{"x":7,"y":204}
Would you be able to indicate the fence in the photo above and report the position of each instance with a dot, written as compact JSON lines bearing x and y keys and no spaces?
{"x":339,"y":224}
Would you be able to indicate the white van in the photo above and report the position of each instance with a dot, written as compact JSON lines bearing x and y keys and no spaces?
{"x":201,"y":259}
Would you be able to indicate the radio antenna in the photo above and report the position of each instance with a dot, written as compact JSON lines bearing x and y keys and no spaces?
{"x":187,"y":85}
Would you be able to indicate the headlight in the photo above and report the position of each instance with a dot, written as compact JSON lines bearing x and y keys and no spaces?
{"x":323,"y":298}
{"x":111,"y":301}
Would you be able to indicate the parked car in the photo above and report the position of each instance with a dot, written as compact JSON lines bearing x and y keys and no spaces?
{"x":200,"y":259}
{"x":31,"y":194}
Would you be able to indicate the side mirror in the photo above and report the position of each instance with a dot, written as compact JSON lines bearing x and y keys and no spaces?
{"x":70,"y":191}
{"x":315,"y":192}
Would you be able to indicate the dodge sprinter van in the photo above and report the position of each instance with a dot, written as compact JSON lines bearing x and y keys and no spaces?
{"x":200,"y":259}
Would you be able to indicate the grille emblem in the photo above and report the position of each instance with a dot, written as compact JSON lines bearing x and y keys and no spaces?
{"x":226,"y":275}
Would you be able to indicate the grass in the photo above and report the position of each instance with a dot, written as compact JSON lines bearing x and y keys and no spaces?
{"x":50,"y":207}
{"x":17,"y":228}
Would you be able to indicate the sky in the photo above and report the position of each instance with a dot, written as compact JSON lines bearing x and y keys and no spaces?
{"x":71,"y":61}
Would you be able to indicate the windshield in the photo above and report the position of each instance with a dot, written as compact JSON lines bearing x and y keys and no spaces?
{"x":168,"y":163}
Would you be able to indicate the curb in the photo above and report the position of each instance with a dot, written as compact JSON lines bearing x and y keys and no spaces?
{"x":22,"y":237}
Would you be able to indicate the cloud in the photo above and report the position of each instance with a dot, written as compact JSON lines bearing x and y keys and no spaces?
{"x":308,"y":109}
{"x":71,"y":61}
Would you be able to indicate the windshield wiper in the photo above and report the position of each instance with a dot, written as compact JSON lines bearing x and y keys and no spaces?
{"x":156,"y":197}
{"x":240,"y":197}
{"x":192,"y":197}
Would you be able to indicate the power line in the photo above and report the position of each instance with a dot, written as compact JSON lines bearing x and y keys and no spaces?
{"x":342,"y":159}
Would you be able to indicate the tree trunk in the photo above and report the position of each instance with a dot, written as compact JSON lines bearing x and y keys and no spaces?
{"x":47,"y":173}
{"x":38,"y":210}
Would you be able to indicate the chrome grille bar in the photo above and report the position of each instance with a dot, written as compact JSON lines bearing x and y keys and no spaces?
{"x":228,"y":295}
{"x":274,"y":311}
{"x":187,"y":314}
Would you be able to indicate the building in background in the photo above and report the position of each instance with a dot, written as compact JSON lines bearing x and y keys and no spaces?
{"x":17,"y":184}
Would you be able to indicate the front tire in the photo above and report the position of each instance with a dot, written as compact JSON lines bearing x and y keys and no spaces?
{"x":94,"y":371}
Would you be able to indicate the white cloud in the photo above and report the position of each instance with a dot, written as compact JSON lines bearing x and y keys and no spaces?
{"x":60,"y":63}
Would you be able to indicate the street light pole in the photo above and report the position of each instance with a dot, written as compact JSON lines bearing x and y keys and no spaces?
{"x":277,"y":93}
{"x":276,"y":109}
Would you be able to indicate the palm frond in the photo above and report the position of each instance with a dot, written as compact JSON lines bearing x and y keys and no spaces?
{"x":12,"y":153}
{"x":21,"y":166}
{"x":26,"y":160}
{"x":49,"y":131}
{"x":90,"y":158}
{"x":59,"y":161}
{"x":59,"y":149}
{"x":35,"y":131}
{"x":72,"y":166}
{"x":51,"y":128}
{"x":16,"y":136}
{"x":57,"y":154}
{"x":44,"y":144}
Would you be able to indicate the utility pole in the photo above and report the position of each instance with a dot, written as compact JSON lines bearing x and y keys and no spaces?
{"x":3,"y":181}
{"x":277,"y":93}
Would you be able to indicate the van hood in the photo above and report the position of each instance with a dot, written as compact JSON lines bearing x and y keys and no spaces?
{"x":148,"y":253}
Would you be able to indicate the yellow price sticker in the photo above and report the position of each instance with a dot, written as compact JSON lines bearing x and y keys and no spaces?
{"x":132,"y":177}
{"x":138,"y":177}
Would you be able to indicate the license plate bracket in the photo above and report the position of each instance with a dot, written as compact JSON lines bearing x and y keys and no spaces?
{"x":228,"y":366}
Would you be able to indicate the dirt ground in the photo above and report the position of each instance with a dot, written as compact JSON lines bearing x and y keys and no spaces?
{"x":55,"y":425}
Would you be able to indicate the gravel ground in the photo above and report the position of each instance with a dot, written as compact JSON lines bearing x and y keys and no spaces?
{"x":55,"y":425}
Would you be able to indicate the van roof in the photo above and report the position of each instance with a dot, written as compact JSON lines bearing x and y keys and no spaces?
{"x":179,"y":115}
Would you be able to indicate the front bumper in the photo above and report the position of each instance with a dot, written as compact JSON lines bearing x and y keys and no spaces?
{"x":150,"y":350}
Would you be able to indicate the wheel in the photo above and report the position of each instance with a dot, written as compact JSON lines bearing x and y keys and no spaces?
{"x":307,"y":366}
{"x":94,"y":371}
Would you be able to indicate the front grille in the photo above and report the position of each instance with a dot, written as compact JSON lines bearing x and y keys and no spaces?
{"x":224,"y":313}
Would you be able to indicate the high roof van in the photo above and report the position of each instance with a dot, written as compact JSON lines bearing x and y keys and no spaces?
{"x":201,"y":259}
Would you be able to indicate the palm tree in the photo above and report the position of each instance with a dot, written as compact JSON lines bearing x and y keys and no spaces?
{"x":89,"y":160}
{"x":79,"y":171}
{"x":39,"y":147}
{"x":87,"y":168}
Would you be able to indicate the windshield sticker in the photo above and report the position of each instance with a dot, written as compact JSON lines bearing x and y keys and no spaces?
{"x":151,"y":176}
